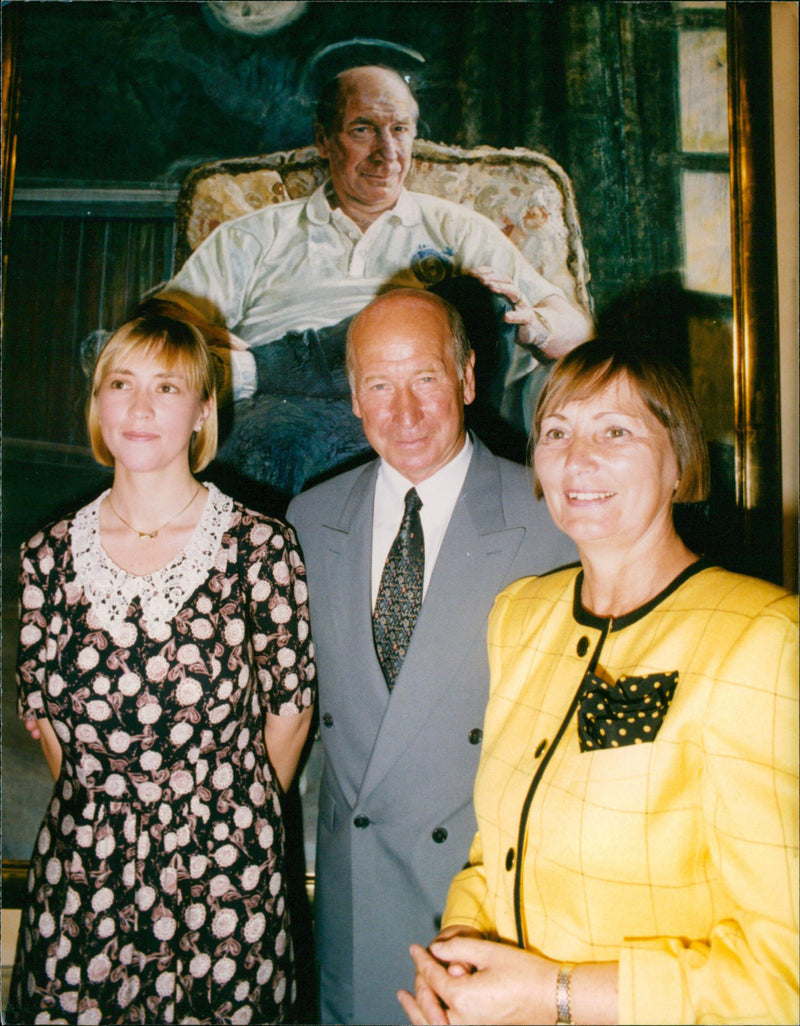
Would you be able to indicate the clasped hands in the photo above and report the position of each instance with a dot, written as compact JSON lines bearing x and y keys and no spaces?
{"x":463,"y":978}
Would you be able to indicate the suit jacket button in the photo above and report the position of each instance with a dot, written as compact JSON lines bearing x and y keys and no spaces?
{"x":510,"y":859}
{"x":361,"y":821}
{"x":439,"y":835}
{"x":327,"y":720}
{"x":475,"y":736}
{"x":583,"y":646}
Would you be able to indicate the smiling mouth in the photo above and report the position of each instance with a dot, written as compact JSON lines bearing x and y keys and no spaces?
{"x":589,"y":496}
{"x":381,"y":175}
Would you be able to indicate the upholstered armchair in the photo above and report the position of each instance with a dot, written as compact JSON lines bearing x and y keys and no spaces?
{"x":526,"y":194}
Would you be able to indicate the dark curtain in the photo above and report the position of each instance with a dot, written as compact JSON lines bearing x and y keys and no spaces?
{"x":592,"y":85}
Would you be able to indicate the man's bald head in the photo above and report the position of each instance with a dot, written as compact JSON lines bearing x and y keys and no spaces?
{"x":409,"y":382}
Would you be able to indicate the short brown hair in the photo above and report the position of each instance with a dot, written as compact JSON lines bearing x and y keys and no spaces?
{"x":658,"y":383}
{"x":177,"y":343}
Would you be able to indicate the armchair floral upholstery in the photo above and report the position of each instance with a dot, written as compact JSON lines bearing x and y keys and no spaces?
{"x":527,"y":194}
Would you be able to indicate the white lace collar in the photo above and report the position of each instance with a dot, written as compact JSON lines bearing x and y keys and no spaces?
{"x":110,"y":589}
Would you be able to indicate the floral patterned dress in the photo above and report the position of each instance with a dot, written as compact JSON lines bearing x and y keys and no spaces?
{"x":156,"y":888}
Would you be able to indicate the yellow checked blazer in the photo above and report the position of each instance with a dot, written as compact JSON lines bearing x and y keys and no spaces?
{"x":677,"y":857}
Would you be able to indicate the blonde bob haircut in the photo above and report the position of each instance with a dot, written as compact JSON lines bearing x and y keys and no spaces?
{"x":662,"y":388}
{"x":178,"y":345}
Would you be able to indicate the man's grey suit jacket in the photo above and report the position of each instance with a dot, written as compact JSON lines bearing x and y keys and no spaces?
{"x":395,"y":811}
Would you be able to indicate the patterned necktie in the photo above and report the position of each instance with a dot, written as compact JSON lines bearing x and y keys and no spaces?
{"x":400,"y":593}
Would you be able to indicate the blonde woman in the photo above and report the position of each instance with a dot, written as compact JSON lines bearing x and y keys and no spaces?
{"x":166,"y":658}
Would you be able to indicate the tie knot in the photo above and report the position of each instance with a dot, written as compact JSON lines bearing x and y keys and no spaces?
{"x":413,"y":502}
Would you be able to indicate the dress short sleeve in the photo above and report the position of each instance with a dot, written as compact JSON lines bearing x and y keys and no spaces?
{"x":278,"y":619}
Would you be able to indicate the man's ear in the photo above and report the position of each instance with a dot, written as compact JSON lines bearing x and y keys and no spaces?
{"x":469,"y":379}
{"x":321,"y":140}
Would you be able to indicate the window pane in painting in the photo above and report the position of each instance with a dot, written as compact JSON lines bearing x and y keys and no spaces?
{"x":706,"y":232}
{"x":702,"y":57}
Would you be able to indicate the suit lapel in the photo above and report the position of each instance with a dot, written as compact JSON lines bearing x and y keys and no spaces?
{"x":347,"y":539}
{"x":472,"y":566}
{"x":348,"y":542}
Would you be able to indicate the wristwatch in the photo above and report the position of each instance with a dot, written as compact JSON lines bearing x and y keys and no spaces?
{"x":563,"y":1009}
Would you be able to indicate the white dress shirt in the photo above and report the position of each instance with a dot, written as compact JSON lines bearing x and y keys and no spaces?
{"x":438,"y":493}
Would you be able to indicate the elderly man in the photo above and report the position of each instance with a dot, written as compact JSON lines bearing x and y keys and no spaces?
{"x":404,"y":678}
{"x":287,"y":279}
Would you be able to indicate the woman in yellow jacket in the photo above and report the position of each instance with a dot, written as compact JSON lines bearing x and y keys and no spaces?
{"x":637,"y":797}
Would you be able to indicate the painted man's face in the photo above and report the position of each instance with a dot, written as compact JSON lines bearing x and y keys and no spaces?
{"x":369,"y":151}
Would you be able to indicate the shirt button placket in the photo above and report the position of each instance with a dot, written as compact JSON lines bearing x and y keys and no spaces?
{"x":358,"y":260}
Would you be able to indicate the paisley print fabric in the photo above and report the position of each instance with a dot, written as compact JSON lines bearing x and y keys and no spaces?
{"x":156,"y":887}
{"x":399,"y":598}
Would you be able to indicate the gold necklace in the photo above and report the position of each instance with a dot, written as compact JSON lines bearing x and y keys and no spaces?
{"x":152,"y":534}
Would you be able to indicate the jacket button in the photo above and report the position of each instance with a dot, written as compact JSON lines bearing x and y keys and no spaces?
{"x":539,"y":749}
{"x":361,"y":822}
{"x":475,"y":736}
{"x":327,"y":720}
{"x":439,"y":835}
{"x":583,"y":646}
{"x":510,"y":859}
